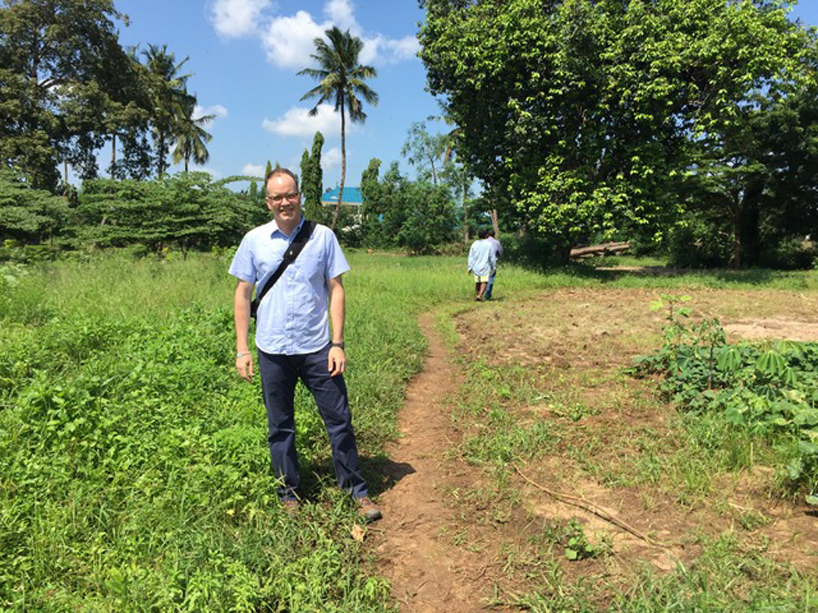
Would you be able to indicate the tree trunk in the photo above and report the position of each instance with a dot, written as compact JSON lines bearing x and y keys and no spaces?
{"x":597,"y":250}
{"x":160,"y":157}
{"x":495,"y":223}
{"x":465,"y":214}
{"x":113,"y":154}
{"x":343,"y":170}
{"x":747,"y":237}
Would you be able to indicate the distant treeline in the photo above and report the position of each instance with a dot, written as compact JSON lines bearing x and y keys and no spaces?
{"x":191,"y":211}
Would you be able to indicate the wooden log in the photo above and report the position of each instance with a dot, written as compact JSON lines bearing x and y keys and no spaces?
{"x":597,"y":250}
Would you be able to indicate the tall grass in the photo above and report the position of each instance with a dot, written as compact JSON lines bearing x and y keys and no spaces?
{"x":134,"y":472}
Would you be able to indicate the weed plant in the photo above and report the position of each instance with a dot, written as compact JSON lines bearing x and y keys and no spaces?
{"x":767,"y":390}
{"x":133,"y":461}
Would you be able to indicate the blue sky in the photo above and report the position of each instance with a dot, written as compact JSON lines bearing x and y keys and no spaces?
{"x":244,"y":56}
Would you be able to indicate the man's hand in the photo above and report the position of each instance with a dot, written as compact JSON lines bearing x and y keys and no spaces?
{"x":244,"y":366}
{"x":337,"y":361}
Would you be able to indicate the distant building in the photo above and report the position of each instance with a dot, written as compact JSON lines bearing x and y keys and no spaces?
{"x":352,"y":197}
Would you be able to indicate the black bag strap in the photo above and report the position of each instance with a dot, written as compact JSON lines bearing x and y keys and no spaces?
{"x":289,"y":257}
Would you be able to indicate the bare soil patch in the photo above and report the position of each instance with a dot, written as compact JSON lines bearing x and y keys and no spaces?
{"x":580,"y":340}
{"x":452,"y":539}
{"x":773,"y":328}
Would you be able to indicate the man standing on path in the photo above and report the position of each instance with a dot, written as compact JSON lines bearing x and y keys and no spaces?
{"x":498,"y":252}
{"x":293,"y":337}
{"x":482,"y":261}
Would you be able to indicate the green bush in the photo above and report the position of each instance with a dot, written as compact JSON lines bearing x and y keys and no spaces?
{"x":769,"y":390}
{"x":694,"y":243}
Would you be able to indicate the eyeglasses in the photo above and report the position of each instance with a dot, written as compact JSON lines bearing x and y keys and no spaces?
{"x":279,"y":198}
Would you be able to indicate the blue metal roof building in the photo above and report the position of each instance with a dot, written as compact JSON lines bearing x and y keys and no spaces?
{"x":352,"y":196}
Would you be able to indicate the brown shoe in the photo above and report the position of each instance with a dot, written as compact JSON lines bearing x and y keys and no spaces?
{"x":368,"y":509}
{"x":291,"y":506}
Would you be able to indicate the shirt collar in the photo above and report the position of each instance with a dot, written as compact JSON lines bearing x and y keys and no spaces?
{"x":295,"y":230}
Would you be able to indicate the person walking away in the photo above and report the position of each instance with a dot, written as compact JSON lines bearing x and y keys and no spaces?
{"x":482,"y":261}
{"x":498,"y":252}
{"x":293,"y":337}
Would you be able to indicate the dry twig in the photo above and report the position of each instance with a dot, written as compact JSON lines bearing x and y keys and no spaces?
{"x":592,"y":508}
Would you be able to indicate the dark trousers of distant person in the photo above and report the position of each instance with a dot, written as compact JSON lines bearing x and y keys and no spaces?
{"x":279,"y":375}
{"x":490,"y":285}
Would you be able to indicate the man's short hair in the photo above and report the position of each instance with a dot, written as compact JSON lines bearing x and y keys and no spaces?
{"x":482,"y":233}
{"x":278,"y":170}
{"x":491,"y":232}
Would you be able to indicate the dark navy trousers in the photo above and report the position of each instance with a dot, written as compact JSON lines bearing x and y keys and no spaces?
{"x":279,"y":375}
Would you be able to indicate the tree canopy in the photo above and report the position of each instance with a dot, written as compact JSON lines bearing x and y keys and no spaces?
{"x":586,"y":114}
{"x":64,"y":81}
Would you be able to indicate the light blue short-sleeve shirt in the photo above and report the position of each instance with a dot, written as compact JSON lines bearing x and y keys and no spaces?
{"x":482,"y":258}
{"x":292,"y":318}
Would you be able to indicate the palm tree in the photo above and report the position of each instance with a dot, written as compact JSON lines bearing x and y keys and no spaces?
{"x":341,"y":80}
{"x":190,"y":136}
{"x":169,"y":97}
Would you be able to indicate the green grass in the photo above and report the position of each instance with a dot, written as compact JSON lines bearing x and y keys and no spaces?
{"x":134,"y":473}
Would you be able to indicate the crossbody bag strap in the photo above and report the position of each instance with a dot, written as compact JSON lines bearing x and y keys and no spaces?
{"x":289,"y":257}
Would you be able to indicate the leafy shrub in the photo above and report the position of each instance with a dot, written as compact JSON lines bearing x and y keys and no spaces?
{"x":694,"y":243}
{"x":528,"y":250}
{"x":769,"y":389}
{"x":788,"y":254}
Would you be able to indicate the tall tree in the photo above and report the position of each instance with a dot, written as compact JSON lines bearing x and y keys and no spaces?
{"x":341,"y":80}
{"x":169,"y":99}
{"x":585,"y":113}
{"x":63,"y":75}
{"x":425,"y":151}
{"x":190,"y":136}
{"x":371,"y":210}
{"x":312,"y":180}
{"x":754,"y":181}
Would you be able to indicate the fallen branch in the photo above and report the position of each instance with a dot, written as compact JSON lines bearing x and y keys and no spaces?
{"x":592,"y":508}
{"x":599,"y":250}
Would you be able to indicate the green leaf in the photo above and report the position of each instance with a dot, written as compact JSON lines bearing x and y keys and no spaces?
{"x":771,"y":363}
{"x":729,"y":360}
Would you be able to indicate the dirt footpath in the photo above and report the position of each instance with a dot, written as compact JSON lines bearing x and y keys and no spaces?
{"x":427,"y":572}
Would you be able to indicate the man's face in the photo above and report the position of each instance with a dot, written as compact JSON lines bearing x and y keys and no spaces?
{"x":283,"y":199}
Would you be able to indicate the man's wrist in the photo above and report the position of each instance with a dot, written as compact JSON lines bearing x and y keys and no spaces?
{"x":241,"y":354}
{"x":341,"y":344}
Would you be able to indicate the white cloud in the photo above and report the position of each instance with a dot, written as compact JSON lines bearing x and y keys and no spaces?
{"x":382,"y":50}
{"x":341,"y":14}
{"x":218,"y":110}
{"x":297,"y":122}
{"x":236,"y":18}
{"x":253,"y":170}
{"x":331,"y":159}
{"x":289,"y":40}
{"x":406,"y":48}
